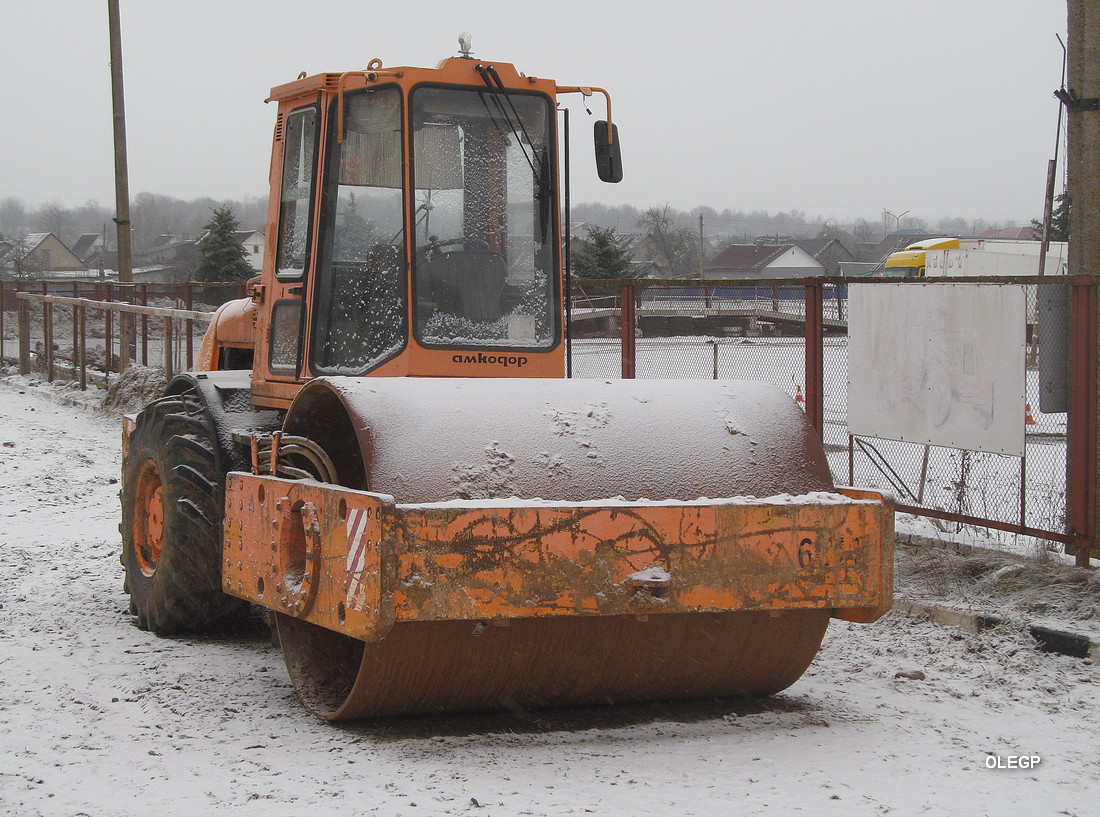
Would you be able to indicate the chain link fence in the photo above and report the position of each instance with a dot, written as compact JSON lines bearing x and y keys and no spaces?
{"x":764,"y":330}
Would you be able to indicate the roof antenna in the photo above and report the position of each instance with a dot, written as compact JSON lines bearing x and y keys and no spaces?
{"x":464,"y":40}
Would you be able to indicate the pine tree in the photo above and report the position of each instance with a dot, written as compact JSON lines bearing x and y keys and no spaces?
{"x":221,"y":256}
{"x":1059,"y":221}
{"x":601,"y":255}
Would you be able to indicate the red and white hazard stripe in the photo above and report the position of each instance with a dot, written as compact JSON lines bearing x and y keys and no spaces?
{"x":357,"y":558}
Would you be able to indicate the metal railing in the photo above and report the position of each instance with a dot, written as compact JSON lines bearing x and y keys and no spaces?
{"x":65,"y":342}
{"x":792,"y":333}
{"x":99,"y":339}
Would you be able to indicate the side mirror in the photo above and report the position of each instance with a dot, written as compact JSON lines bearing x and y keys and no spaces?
{"x":609,"y":160}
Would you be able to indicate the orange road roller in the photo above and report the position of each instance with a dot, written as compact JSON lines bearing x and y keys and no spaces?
{"x":379,"y":445}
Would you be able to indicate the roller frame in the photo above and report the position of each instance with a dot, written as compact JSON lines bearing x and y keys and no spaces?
{"x":357,"y":562}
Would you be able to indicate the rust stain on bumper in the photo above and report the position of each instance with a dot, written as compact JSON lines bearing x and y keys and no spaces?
{"x":356,"y":562}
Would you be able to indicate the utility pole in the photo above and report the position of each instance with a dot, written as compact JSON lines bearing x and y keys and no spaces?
{"x":122,"y":185}
{"x":1082,"y":101}
{"x":1052,"y":176}
{"x":1083,"y":130}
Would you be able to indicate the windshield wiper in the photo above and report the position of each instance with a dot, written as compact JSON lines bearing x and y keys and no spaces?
{"x":494,"y":83}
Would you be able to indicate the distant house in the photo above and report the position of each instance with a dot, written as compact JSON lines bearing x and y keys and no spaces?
{"x":645,"y":269}
{"x":646,"y":254}
{"x":39,"y":255}
{"x":829,"y":251}
{"x":90,"y":249}
{"x":740,"y":261}
{"x":253,"y":243}
{"x":171,"y":261}
{"x":175,"y":260}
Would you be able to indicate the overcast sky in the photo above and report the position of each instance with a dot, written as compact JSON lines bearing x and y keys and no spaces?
{"x":843,"y":109}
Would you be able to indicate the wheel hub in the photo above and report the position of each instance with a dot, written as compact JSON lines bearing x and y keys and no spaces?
{"x":148,"y":519}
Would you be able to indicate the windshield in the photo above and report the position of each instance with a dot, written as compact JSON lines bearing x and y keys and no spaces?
{"x":483,"y":221}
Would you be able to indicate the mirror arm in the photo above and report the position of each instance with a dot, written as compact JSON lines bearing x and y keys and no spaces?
{"x":588,"y":90}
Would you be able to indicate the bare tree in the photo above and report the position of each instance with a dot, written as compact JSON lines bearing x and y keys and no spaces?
{"x":952,"y":226}
{"x":676,"y":249}
{"x":865,"y":232}
{"x":51,"y":217}
{"x":13,"y":216}
{"x":24,"y":263}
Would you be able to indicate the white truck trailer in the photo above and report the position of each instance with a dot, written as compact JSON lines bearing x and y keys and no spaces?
{"x":975,"y":257}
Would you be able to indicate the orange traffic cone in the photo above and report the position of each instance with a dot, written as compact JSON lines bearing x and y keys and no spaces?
{"x":1028,"y":419}
{"x":798,"y":398}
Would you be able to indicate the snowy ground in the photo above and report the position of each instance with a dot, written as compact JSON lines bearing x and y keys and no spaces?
{"x":99,"y":718}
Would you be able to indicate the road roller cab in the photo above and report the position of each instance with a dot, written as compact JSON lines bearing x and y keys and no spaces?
{"x":414,"y":215}
{"x":436,"y":518}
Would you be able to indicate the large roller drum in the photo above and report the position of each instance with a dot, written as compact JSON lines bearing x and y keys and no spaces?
{"x":433,"y":440}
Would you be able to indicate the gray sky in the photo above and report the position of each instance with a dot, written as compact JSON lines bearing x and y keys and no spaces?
{"x":841,"y":110}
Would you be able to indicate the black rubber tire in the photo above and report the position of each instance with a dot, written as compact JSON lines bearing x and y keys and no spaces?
{"x":172,"y":451}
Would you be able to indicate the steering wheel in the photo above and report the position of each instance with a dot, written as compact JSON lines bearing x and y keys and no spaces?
{"x":434,"y":245}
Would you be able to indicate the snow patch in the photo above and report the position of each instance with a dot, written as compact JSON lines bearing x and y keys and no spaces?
{"x":97,"y":714}
{"x":651,"y":575}
{"x":812,"y":498}
{"x":493,"y":477}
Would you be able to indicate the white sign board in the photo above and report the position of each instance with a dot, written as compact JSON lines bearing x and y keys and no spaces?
{"x":938,"y":364}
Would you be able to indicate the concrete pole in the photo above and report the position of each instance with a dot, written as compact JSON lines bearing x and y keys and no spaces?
{"x":122,"y":184}
{"x":1083,"y":133}
{"x":1083,"y":157}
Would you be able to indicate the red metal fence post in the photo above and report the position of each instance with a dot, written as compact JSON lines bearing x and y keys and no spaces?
{"x":76,"y":328}
{"x":47,"y":333}
{"x":145,"y":326}
{"x":109,"y":341}
{"x":24,"y":334}
{"x":82,"y":339}
{"x":1081,"y":423}
{"x":168,"y":356}
{"x":626,"y":329}
{"x":189,"y":325}
{"x":815,"y":354}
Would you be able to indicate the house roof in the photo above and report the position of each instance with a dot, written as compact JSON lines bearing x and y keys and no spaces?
{"x":65,"y":260}
{"x":241,"y":236}
{"x":747,"y":256}
{"x":86,"y":243}
{"x":171,"y":245}
{"x":1009,"y":232}
{"x":32,"y":240}
{"x":815,"y":245}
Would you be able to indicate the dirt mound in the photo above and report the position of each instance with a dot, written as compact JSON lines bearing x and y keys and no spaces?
{"x":134,"y":388}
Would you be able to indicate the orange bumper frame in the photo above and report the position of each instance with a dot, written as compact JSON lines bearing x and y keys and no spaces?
{"x":356,"y":562}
